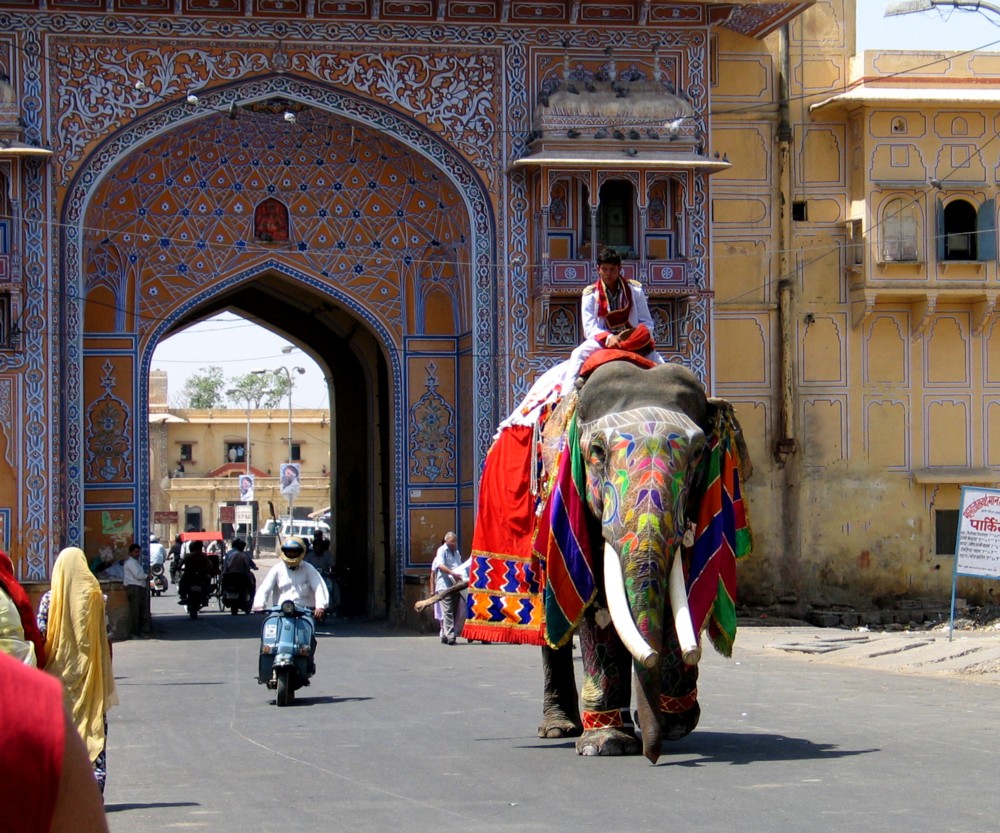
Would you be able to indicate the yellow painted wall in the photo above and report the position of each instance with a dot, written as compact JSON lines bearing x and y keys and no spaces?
{"x":895,"y":372}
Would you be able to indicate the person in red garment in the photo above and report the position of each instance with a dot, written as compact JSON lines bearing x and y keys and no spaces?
{"x":48,"y":783}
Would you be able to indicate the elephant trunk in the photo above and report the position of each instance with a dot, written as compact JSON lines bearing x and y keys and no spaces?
{"x":647,"y":706}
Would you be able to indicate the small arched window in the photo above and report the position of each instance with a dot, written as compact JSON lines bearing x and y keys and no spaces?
{"x":900,"y":224}
{"x":965,"y":232}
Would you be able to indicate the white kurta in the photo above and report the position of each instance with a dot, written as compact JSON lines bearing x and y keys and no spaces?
{"x":305,"y":586}
{"x":557,"y":381}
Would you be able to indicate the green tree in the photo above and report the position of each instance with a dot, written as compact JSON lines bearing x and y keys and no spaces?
{"x":265,"y":390}
{"x":204,"y":389}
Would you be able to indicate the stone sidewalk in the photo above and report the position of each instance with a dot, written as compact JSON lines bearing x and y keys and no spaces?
{"x":969,"y":654}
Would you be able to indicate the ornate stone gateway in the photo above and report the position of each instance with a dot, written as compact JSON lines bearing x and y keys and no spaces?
{"x":367,"y":179}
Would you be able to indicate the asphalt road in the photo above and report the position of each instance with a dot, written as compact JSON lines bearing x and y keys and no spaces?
{"x":401,"y":733}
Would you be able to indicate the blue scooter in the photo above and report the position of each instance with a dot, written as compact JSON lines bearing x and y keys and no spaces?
{"x":286,"y":650}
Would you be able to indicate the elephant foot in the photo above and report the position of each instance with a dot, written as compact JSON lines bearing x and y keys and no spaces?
{"x":676,"y":725}
{"x":608,"y":742}
{"x":558,"y":726}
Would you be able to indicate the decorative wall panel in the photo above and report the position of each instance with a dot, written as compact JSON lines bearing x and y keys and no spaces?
{"x":948,"y":438}
{"x":824,"y":430}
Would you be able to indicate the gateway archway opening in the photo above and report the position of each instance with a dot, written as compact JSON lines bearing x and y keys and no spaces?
{"x":339,"y":443}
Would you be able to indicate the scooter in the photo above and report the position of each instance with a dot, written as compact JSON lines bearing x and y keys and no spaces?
{"x":286,"y":650}
{"x":157,"y":580}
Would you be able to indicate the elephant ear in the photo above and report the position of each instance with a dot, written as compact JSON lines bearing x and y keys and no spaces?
{"x":567,"y":544}
{"x":722,"y":417}
{"x":722,"y":530}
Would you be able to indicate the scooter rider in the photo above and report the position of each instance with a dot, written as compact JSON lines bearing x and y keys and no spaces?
{"x":291,"y":579}
{"x":157,"y":552}
{"x":195,"y":570}
{"x":239,"y":563}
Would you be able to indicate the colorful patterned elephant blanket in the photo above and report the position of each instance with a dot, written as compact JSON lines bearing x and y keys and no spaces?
{"x":518,"y":543}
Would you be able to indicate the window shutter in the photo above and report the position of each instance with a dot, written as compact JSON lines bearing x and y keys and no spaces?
{"x":940,"y":236}
{"x":986,"y":231}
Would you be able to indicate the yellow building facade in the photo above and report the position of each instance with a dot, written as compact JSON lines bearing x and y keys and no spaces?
{"x":856,"y":278}
{"x":199,"y":457}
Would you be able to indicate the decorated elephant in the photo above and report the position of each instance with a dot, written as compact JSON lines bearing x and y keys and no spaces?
{"x":620,"y":518}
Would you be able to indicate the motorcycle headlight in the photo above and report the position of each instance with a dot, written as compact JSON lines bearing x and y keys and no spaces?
{"x":288,"y":608}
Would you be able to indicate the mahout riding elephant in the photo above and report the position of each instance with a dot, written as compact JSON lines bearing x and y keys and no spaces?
{"x":648,"y":467}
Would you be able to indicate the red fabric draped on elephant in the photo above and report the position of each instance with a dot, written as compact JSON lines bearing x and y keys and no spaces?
{"x":636,"y":466}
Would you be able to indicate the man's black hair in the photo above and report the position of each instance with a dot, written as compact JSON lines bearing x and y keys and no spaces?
{"x":609,"y":255}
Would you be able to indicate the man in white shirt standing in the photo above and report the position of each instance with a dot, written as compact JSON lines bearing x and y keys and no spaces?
{"x":136,"y":589}
{"x":446,"y":571}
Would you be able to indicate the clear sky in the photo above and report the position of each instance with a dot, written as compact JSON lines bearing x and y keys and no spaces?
{"x":239,"y":346}
{"x":943,"y":27}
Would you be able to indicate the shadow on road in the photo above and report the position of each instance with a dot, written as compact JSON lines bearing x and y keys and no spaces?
{"x":732,"y":748}
{"x":735,"y":748}
{"x":118,"y":808}
{"x":323,"y":700}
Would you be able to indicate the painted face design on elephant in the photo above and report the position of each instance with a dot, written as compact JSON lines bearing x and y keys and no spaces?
{"x":639,"y":463}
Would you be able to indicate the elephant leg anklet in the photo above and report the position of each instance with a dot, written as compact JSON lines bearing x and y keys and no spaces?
{"x":678,"y":705}
{"x":602,"y":720}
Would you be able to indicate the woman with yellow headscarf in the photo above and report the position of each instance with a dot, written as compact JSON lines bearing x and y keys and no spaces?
{"x":71,"y":617}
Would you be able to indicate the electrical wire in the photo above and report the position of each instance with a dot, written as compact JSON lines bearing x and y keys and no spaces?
{"x":365,"y":251}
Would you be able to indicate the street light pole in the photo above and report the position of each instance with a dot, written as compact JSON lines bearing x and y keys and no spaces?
{"x":237,"y":394}
{"x":288,"y":375}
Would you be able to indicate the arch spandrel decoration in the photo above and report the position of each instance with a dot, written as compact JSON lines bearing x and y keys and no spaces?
{"x":460,"y":103}
{"x":363,"y":208}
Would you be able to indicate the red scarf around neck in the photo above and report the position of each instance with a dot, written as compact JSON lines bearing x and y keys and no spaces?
{"x":615,"y":319}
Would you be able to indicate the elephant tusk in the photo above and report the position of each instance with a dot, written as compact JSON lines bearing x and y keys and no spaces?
{"x":686,"y":638}
{"x":614,"y":588}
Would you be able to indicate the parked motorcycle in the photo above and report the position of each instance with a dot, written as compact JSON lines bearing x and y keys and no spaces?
{"x":236,"y":593}
{"x":286,"y":650}
{"x":157,"y":580}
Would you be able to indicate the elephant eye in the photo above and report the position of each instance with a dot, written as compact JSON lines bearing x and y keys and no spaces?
{"x":596,"y":452}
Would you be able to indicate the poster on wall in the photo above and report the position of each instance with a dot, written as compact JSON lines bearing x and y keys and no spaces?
{"x":291,"y":485}
{"x":246,"y":487}
{"x":977,"y":546}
